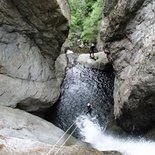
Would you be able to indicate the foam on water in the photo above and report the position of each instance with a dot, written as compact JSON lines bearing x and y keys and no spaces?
{"x":94,"y":135}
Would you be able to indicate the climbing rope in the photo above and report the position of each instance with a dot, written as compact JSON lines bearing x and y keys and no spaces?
{"x":74,"y":123}
{"x":65,"y":141}
{"x":93,"y":88}
{"x":69,"y":128}
{"x":64,"y":135}
{"x":61,"y":138}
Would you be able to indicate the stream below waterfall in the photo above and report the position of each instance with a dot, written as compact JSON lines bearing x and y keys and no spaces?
{"x":93,"y":134}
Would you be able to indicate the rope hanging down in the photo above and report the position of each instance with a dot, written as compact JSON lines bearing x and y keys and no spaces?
{"x":65,"y":141}
{"x":93,"y":88}
{"x":61,"y":138}
{"x":68,"y":130}
{"x":64,"y":135}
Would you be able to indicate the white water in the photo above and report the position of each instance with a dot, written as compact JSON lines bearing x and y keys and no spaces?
{"x":93,"y":134}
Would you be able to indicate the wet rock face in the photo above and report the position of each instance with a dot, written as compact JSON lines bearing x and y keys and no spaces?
{"x":128,"y":33}
{"x":31,"y":35}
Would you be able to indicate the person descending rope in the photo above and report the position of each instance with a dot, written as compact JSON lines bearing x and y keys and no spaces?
{"x":90,"y":108}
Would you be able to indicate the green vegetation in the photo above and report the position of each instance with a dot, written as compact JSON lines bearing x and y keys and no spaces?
{"x":85,"y":17}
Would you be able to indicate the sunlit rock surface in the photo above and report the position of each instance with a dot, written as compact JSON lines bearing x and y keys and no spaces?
{"x":31,"y":36}
{"x":24,"y":134}
{"x":14,"y":146}
{"x":128,"y":33}
{"x":19,"y":124}
{"x":99,"y":62}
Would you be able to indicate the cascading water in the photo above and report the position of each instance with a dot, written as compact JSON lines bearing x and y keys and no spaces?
{"x":93,"y":134}
{"x":79,"y":87}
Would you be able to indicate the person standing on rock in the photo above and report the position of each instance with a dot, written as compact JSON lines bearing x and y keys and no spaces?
{"x":92,"y":51}
{"x":89,"y":108}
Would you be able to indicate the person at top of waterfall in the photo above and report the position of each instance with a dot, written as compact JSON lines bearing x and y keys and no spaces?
{"x":89,"y":108}
{"x":92,"y":51}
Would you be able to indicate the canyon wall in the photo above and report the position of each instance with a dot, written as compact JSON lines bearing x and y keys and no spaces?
{"x":31,"y":35}
{"x":128,"y":36}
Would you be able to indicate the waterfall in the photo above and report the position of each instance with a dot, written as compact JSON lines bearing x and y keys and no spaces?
{"x":81,"y":84}
{"x":79,"y":87}
{"x":94,"y":134}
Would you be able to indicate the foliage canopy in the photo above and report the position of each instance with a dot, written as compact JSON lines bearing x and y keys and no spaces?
{"x":85,"y":16}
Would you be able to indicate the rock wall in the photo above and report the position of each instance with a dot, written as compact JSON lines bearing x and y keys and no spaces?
{"x":128,"y":34}
{"x":15,"y":146}
{"x":16,"y":124}
{"x":31,"y":35}
{"x":24,"y":134}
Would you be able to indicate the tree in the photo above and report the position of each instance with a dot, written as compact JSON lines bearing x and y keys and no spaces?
{"x":85,"y":15}
{"x":90,"y":25}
